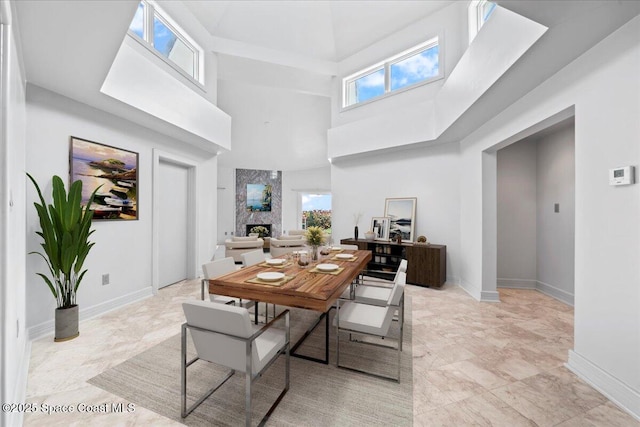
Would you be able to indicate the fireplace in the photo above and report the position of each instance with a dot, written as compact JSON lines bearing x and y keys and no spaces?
{"x":267,"y":226}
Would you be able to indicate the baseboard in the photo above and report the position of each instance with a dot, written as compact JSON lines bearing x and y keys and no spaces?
{"x":615,"y":390}
{"x":517,"y":283}
{"x":471,"y":289}
{"x":489,"y":296}
{"x":48,"y":327}
{"x":545,"y":288}
{"x":556,"y":293}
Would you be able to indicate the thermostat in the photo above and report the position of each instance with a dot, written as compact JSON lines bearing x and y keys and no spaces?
{"x":622,"y":176}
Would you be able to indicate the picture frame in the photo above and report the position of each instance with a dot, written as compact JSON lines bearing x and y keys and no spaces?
{"x":259,"y":197}
{"x":402,"y":214}
{"x":380,"y":227}
{"x":114,"y":169}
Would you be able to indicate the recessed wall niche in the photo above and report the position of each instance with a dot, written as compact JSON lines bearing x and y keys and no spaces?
{"x":252,"y":214}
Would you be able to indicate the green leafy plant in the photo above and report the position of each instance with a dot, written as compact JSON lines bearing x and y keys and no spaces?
{"x":315,"y":236}
{"x":65,"y":230}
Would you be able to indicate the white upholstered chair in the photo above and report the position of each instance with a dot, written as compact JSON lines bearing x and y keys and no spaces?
{"x":223,"y":334}
{"x":236,"y":246}
{"x":347,"y":247}
{"x":217,"y":268}
{"x":286,"y":244}
{"x":373,"y":320}
{"x":377,"y":292}
{"x":252,"y":257}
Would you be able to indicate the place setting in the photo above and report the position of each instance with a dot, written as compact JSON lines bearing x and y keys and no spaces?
{"x":344,"y":257}
{"x":271,"y":278}
{"x":327,"y":269}
{"x":275,"y":263}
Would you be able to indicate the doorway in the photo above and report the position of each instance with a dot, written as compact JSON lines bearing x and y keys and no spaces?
{"x":174,"y":220}
{"x":536,"y":212}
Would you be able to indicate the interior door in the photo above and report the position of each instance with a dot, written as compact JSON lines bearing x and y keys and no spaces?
{"x":173,"y":223}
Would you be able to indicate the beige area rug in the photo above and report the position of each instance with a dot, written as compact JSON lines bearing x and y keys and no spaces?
{"x":319,"y":395}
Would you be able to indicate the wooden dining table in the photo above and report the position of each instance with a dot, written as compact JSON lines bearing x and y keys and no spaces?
{"x":305,"y":287}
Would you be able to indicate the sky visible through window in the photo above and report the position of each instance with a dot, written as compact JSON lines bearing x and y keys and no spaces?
{"x":416,"y":68}
{"x":163,"y":38}
{"x":321,"y":202}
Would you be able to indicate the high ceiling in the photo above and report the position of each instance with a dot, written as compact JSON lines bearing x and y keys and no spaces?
{"x":323,"y":30}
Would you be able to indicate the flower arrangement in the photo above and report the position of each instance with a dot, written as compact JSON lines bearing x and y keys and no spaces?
{"x":315,"y":236}
{"x":260,"y":230}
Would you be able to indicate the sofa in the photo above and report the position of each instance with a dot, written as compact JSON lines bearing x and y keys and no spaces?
{"x":287,"y":243}
{"x":236,"y":246}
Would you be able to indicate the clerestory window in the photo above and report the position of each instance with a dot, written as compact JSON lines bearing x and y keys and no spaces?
{"x":156,"y":30}
{"x":418,"y":65}
{"x":479,"y":13}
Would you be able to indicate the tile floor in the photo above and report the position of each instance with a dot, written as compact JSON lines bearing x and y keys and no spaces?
{"x":475,"y":364}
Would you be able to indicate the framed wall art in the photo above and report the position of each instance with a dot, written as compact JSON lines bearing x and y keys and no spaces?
{"x":380,"y":227}
{"x":402,"y":213}
{"x":259,"y":197}
{"x":115,"y":169}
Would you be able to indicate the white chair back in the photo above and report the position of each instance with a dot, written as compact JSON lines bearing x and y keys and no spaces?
{"x":402,"y":268}
{"x":218,"y":268}
{"x":227,"y":319}
{"x":398,"y":289}
{"x":252,"y":257}
{"x":349,"y":247}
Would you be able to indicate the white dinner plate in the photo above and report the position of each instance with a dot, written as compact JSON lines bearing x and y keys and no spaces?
{"x":275,"y":261}
{"x":327,"y":267}
{"x":299,"y":252}
{"x":344,"y":256}
{"x":270,"y":276}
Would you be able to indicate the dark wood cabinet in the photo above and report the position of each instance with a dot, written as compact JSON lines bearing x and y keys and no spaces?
{"x":427,"y":264}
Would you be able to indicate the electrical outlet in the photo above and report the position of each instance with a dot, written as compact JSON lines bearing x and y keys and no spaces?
{"x":17,"y":328}
{"x":105,"y":279}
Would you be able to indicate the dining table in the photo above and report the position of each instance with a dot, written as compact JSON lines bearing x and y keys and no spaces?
{"x":315,"y":286}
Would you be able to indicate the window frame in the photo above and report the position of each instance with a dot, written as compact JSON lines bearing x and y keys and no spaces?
{"x":476,"y":17}
{"x":150,"y":11}
{"x":386,"y":66}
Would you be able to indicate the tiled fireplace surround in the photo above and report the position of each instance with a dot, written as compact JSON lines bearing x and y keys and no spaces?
{"x":243,"y":216}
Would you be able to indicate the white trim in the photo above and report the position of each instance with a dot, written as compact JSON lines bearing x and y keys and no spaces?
{"x":517,"y":283}
{"x":471,"y":289}
{"x":5,"y":16}
{"x":192,"y":220}
{"x":48,"y":327}
{"x":385,"y":66}
{"x":545,"y":288}
{"x":615,"y":390}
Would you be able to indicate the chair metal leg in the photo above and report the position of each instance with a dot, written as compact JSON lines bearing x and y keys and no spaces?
{"x":184,"y":411}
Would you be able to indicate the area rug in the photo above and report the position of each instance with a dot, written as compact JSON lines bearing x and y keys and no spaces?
{"x":319,"y":395}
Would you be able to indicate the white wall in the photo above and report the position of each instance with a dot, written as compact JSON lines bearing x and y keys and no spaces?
{"x":294,"y":182}
{"x":431,"y":174}
{"x":603,"y":86}
{"x":535,"y":244}
{"x":274,"y":128}
{"x":123,"y":248}
{"x":556,"y":231}
{"x":516,"y":182}
{"x":13,"y":362}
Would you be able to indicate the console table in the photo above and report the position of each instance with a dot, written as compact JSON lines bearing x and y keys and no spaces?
{"x":427,"y":264}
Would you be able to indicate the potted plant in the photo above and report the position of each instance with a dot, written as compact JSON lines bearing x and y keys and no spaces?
{"x":65,"y":230}
{"x":315,"y":238}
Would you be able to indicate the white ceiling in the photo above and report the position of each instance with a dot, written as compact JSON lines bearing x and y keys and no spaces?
{"x":323,"y":30}
{"x":72,"y":53}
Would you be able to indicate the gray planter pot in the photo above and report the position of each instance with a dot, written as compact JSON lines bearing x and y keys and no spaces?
{"x":66,"y":324}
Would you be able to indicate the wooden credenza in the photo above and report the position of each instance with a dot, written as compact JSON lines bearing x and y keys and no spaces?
{"x":427,"y":264}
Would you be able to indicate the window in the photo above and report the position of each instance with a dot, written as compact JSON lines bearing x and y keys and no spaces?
{"x":479,"y":12}
{"x":159,"y":32}
{"x":316,"y":210}
{"x":417,"y":65}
